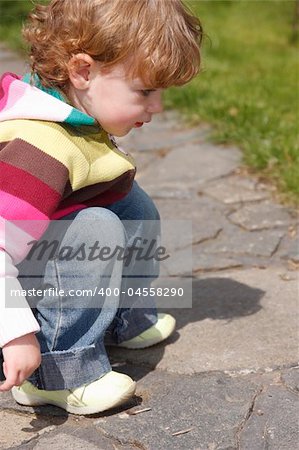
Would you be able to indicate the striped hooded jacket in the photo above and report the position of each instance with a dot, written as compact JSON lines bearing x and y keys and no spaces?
{"x":54,"y":160}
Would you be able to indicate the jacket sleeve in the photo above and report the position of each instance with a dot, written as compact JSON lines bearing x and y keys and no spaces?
{"x":16,"y":318}
{"x":31,"y":187}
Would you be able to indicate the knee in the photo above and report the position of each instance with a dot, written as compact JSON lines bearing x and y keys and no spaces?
{"x":98,"y":224}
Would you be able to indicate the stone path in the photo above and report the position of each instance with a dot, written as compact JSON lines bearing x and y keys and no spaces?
{"x":228,"y":378}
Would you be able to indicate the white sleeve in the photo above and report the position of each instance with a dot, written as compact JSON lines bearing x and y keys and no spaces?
{"x":16,"y":317}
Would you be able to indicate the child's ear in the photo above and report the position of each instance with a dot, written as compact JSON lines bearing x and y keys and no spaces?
{"x":79,"y":68}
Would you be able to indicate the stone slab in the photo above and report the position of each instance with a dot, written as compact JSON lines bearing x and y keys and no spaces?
{"x":240,"y":320}
{"x":10,"y":62}
{"x":70,"y":442}
{"x":170,"y":191}
{"x":232,"y":190}
{"x":8,"y":55}
{"x":193,"y":164}
{"x":25,"y":428}
{"x":167,"y":120}
{"x":210,"y":406}
{"x":273,"y":423}
{"x":289,"y":248}
{"x":236,"y":241}
{"x":207,"y":217}
{"x":209,"y":262}
{"x":206,"y":262}
{"x":80,"y":437}
{"x":290,"y":378}
{"x":163,"y":139}
{"x":162,"y":135}
{"x":261,"y":216}
{"x":143,"y":161}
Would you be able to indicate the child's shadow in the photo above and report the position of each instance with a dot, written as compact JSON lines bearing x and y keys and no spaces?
{"x":213,"y":298}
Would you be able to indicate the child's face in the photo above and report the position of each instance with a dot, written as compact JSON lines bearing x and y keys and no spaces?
{"x":116,"y":102}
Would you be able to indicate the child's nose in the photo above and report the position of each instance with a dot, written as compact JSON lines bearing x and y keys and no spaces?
{"x":155,"y":105}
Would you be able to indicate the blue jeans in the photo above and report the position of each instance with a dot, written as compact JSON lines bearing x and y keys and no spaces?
{"x":72,"y":339}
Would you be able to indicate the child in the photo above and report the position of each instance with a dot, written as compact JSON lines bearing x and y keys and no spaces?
{"x":98,"y":71}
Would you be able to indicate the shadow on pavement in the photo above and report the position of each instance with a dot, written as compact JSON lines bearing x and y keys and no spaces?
{"x":214,"y":298}
{"x":219,"y":299}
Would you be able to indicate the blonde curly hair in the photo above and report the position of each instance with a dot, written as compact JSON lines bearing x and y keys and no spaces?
{"x":162,"y":38}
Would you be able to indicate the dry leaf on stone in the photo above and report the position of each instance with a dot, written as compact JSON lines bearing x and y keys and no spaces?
{"x":178,"y":433}
{"x":139,"y":411}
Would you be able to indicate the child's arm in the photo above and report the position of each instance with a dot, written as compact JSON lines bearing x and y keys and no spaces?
{"x":32,"y":184}
{"x":20,"y":347}
{"x":21,"y":357}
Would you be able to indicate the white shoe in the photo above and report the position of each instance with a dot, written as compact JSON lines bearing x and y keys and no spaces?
{"x":162,"y":329}
{"x":109,"y":391}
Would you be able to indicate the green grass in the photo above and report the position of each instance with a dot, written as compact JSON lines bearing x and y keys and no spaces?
{"x":12,"y":13}
{"x":248,"y":86}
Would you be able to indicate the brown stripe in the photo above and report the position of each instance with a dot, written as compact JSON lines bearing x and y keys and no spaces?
{"x":25,"y":156}
{"x":29,"y":188}
{"x":109,"y":198}
{"x":98,"y":191}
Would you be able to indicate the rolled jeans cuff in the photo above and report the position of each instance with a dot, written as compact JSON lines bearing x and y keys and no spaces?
{"x":72,"y":368}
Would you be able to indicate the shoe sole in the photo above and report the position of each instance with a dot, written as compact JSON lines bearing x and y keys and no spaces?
{"x":148,"y":343}
{"x":34,"y":400}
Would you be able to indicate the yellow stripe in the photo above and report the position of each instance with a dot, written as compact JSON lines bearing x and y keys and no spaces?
{"x":109,"y":162}
{"x":89,"y":158}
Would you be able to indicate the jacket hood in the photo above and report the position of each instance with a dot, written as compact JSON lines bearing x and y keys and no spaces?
{"x":21,"y":100}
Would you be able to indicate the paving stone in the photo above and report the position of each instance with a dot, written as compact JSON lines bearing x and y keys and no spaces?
{"x":44,"y":430}
{"x":69,"y":442}
{"x":240,"y":319}
{"x":153,"y":138}
{"x":10,"y":63}
{"x":210,"y":406}
{"x":203,"y":261}
{"x":207,"y":218}
{"x":229,"y":191}
{"x":293,"y":256}
{"x":171,"y":191}
{"x":194,"y":164}
{"x":289,"y":250}
{"x":273,"y":423}
{"x":6,"y":54}
{"x":167,"y":120}
{"x":6,"y":400}
{"x":262,"y":216}
{"x":19,"y":428}
{"x":235,"y":241}
{"x":289,"y":246}
{"x":172,"y":120}
{"x":179,"y":263}
{"x":239,"y":180}
{"x":85,"y":438}
{"x":142,"y":161}
{"x":290,"y":378}
{"x":207,"y":262}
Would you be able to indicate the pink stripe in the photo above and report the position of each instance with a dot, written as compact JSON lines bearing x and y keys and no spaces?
{"x":6,"y":80}
{"x":65,"y":211}
{"x":27,"y":217}
{"x":15,"y":240}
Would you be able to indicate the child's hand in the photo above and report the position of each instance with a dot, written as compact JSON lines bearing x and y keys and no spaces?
{"x":21,"y":357}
